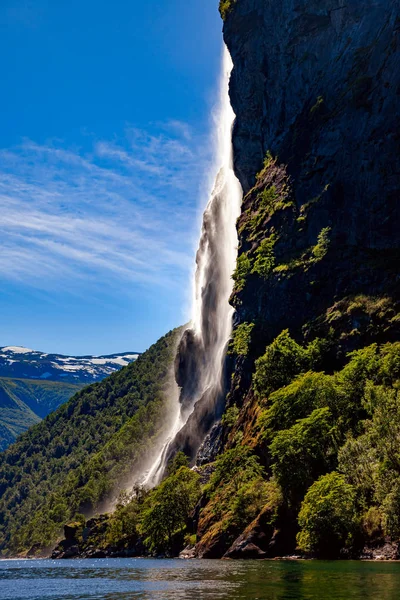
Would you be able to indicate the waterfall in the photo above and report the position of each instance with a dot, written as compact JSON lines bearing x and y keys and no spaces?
{"x":199,"y":368}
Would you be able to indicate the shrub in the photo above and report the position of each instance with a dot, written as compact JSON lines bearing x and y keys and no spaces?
{"x":282,"y":361}
{"x":297,"y":400}
{"x":230,"y":416}
{"x":265,"y":258}
{"x":225,"y":7}
{"x":304,"y":452}
{"x":243,"y":268}
{"x":321,"y":248}
{"x":241,"y":338}
{"x":327,"y":517}
{"x":236,"y":466}
{"x":391,"y":512}
{"x":179,"y":460}
{"x":358,"y":461}
{"x":372,"y":523}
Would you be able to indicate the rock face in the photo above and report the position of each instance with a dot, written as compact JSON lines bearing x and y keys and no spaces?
{"x":316,"y":92}
{"x":89,"y":540}
{"x":260,"y":539}
{"x":316,"y":88}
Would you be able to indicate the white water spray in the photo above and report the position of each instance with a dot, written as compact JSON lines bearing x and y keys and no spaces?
{"x":203,"y":346}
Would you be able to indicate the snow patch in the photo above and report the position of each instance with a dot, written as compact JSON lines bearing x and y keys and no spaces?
{"x":18,"y":349}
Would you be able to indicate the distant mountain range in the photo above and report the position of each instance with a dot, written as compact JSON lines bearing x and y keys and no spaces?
{"x":20,"y":362}
{"x":33,"y":384}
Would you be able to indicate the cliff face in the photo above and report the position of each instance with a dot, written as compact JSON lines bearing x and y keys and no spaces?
{"x":316,"y":93}
{"x":317,"y":85}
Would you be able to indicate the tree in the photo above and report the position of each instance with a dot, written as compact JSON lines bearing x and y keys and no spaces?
{"x":303,"y":453}
{"x":167,"y":509}
{"x":327,"y":518}
{"x":282,"y":361}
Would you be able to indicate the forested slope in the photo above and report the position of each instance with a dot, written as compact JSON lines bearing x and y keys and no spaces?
{"x":74,"y":460}
{"x":24,"y":402}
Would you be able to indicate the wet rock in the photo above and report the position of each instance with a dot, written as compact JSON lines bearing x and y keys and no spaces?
{"x":71,"y":552}
{"x":245,"y":550}
{"x":188,"y":552}
{"x":387,"y":551}
{"x":211,"y":445}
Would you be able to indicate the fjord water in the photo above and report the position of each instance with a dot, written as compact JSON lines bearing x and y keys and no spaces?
{"x":203,"y":346}
{"x":147,"y":579}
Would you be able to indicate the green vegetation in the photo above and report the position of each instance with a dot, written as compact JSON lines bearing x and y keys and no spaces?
{"x":328,"y":518}
{"x":265,"y":258}
{"x":243,"y":269}
{"x":317,"y":106}
{"x":283,"y":360}
{"x":230,"y":416}
{"x":268,"y":161}
{"x":315,"y":424}
{"x":267,"y":201}
{"x":329,"y":448}
{"x":23,"y":402}
{"x":167,"y":509}
{"x":309,"y":257}
{"x":322,"y":245}
{"x":236,"y":493}
{"x":84,"y":452}
{"x":241,"y":338}
{"x":225,"y":7}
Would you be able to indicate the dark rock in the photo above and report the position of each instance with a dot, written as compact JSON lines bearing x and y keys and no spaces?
{"x":388,"y":550}
{"x":317,"y":85}
{"x":188,"y":552}
{"x":98,"y":554}
{"x":265,"y":537}
{"x":211,"y":445}
{"x":71,"y":531}
{"x":245,"y":550}
{"x":71,"y":552}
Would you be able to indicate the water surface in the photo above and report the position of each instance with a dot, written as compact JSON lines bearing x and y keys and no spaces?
{"x":147,"y":579}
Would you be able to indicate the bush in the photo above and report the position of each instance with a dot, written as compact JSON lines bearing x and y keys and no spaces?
{"x":327,"y":517}
{"x":304,"y":452}
{"x":391,"y":512}
{"x":230,"y":416}
{"x":322,"y":246}
{"x":243,"y":268}
{"x":297,"y":400}
{"x":265,"y":258}
{"x":225,"y":7}
{"x":237,"y":493}
{"x":241,"y":338}
{"x":236,"y":466}
{"x":282,"y":361}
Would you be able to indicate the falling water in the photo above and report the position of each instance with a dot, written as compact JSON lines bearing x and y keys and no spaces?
{"x":201,"y":355}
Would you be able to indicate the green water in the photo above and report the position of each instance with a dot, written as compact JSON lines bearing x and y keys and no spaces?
{"x":146,"y":579}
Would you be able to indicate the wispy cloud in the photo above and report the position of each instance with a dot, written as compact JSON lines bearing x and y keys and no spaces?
{"x":124,"y":212}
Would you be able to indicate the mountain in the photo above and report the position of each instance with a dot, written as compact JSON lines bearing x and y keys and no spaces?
{"x":20,"y":362}
{"x":313,"y":408}
{"x":306,"y":456}
{"x":32,"y":384}
{"x":73,"y":460}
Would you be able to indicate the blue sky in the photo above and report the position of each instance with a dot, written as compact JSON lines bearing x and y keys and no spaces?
{"x":105,"y":159}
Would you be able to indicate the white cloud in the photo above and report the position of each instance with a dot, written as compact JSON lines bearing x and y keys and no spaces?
{"x":125,"y":212}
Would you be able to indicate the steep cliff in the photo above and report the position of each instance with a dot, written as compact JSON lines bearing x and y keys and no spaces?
{"x":316,"y":86}
{"x":316,"y":92}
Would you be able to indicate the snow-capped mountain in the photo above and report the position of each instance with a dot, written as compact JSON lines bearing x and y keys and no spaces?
{"x":20,"y":362}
